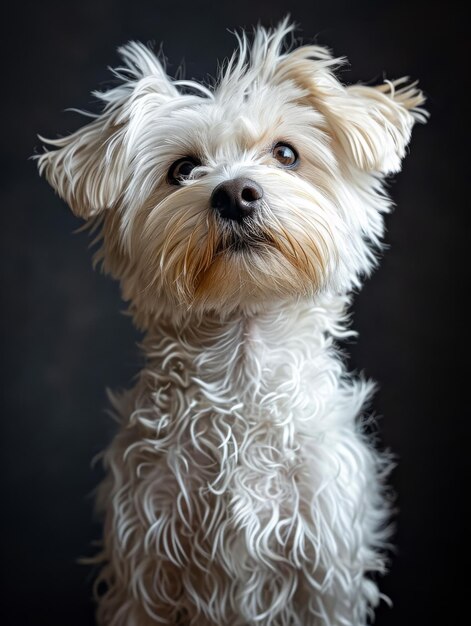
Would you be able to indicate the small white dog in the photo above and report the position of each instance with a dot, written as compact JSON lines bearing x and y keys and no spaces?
{"x":241,"y":488}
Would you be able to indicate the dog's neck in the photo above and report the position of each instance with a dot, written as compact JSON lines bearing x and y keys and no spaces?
{"x":243,"y":352}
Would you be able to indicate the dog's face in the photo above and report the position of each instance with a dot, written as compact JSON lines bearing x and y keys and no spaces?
{"x":264,"y":188}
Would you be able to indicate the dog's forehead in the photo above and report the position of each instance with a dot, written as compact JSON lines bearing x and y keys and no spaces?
{"x":251,"y":121}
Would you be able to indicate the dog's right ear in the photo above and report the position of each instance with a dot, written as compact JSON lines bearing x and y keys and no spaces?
{"x":90,"y":167}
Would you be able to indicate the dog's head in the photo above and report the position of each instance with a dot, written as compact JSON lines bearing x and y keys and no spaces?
{"x":264,"y":187}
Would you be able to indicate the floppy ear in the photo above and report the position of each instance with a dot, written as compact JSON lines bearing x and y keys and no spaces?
{"x":374,"y":124}
{"x":89,"y":168}
{"x":85,"y":167}
{"x":371,"y":125}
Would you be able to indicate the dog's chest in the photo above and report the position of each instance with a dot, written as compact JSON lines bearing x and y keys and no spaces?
{"x":223,"y":437}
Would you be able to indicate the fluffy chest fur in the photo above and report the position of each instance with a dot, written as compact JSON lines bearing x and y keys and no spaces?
{"x":238,"y":463}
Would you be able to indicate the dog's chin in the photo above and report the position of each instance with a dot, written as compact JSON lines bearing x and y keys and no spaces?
{"x":248,"y":275}
{"x":231,"y":267}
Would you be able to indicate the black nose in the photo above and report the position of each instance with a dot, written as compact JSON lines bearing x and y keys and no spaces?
{"x":236,"y":198}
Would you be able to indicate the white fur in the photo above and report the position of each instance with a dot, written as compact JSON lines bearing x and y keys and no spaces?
{"x":241,"y":488}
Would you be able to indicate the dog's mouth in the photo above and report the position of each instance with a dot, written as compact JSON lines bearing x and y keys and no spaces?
{"x":241,"y":240}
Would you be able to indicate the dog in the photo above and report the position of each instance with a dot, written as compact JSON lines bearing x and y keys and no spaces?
{"x":242,"y":487}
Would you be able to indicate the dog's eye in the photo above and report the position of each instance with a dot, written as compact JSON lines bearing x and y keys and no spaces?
{"x":285,"y":155}
{"x":181,"y":170}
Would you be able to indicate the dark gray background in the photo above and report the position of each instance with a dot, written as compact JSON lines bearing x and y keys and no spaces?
{"x":65,"y":340}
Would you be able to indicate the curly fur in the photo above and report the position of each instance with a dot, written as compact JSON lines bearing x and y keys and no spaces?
{"x":241,"y":487}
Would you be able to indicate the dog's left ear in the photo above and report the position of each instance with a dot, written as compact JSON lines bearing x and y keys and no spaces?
{"x":373,"y":125}
{"x":90,"y":167}
{"x":370,"y":125}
